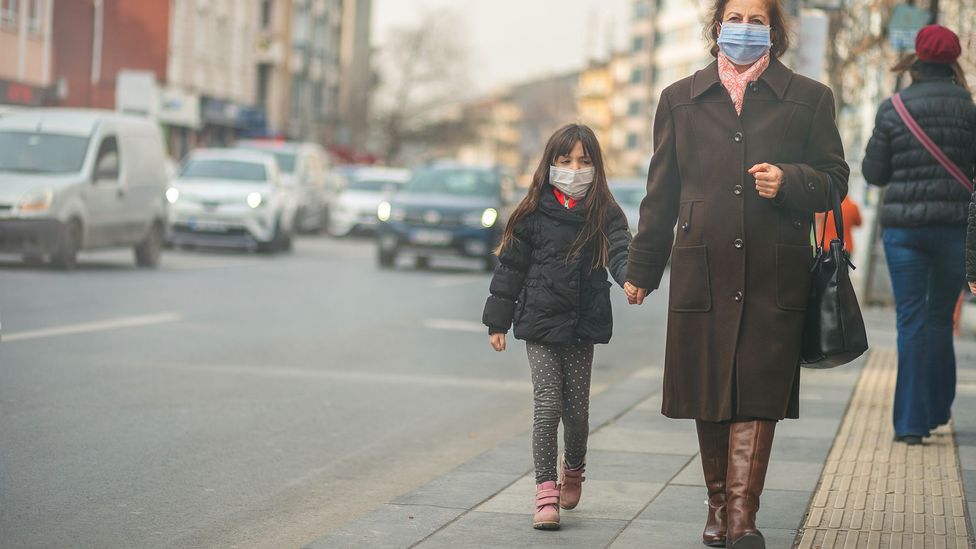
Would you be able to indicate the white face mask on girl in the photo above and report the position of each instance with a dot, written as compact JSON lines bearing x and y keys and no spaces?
{"x":572,"y":183}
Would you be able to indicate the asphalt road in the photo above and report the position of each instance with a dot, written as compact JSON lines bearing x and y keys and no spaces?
{"x":236,"y":400}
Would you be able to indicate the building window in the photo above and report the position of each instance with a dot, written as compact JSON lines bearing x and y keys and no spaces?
{"x":634,"y":108}
{"x":639,"y":44}
{"x":641,"y":9}
{"x":266,"y":10}
{"x":34,"y":16}
{"x":633,"y":141}
{"x":8,"y":13}
{"x":637,"y":76}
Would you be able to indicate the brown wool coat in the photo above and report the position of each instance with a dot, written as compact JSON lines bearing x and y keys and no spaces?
{"x":740,"y":266}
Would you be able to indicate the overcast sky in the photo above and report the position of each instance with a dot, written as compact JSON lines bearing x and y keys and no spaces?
{"x":517,"y":40}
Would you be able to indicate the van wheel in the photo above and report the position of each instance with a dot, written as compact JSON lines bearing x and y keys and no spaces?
{"x":65,"y":257}
{"x":33,"y":260}
{"x":422,"y":263}
{"x":149,"y":250}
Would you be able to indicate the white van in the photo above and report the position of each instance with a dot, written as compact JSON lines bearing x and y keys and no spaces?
{"x":81,"y":179}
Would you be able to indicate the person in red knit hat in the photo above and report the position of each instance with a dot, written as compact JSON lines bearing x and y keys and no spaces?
{"x":924,"y":218}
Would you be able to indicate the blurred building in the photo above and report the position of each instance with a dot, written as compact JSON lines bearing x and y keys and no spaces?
{"x":211,"y":64}
{"x":313,"y":69}
{"x":545,"y":105}
{"x":356,"y":81}
{"x":94,"y":40}
{"x":26,"y":77}
{"x":635,"y":125}
{"x":604,"y":105}
{"x":495,"y":134}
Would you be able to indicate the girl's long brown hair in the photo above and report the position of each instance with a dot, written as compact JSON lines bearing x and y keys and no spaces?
{"x":598,"y":204}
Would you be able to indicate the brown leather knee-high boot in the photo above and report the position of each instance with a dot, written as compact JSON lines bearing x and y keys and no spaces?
{"x":713,"y":442}
{"x":750,"y":443}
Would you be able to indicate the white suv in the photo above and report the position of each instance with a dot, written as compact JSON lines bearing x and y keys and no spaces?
{"x":231,"y":198}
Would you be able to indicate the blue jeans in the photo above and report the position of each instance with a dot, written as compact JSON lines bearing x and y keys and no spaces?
{"x":928,"y":271}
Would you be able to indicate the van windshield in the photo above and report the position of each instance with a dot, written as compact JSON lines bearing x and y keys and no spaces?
{"x":234,"y":170}
{"x":31,"y":152}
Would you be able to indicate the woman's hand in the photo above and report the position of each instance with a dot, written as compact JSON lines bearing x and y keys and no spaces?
{"x":635,"y":295}
{"x":972,"y":287}
{"x":497,"y":342}
{"x":769,"y":179}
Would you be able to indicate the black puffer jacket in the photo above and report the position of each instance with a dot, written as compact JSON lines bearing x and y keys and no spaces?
{"x":553,"y":300}
{"x":920,"y":192}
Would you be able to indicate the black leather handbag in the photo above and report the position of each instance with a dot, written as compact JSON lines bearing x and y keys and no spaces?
{"x":833,"y":330}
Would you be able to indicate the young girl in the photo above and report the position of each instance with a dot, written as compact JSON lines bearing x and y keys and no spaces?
{"x":552,"y":281}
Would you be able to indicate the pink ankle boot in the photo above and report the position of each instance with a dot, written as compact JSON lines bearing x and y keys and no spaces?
{"x":546,"y":506}
{"x":570,"y":484}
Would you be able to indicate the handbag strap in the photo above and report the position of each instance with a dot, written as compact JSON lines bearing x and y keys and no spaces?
{"x":929,"y":145}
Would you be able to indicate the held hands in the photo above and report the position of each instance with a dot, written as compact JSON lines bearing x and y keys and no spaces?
{"x":635,"y":295}
{"x":769,"y":179}
{"x":497,"y":342}
{"x":972,"y":287}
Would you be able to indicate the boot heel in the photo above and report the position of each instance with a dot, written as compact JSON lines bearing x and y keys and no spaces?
{"x":749,"y":541}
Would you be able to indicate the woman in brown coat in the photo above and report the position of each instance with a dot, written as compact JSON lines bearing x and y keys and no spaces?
{"x":745,"y":151}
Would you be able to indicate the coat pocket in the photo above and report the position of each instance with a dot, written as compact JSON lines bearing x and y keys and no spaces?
{"x":793,"y":265}
{"x":690,"y":287}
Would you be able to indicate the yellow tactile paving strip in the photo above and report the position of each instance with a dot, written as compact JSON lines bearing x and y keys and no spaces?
{"x":874,"y":493}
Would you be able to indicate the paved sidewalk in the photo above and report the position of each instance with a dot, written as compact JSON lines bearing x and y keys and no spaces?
{"x":644,"y":484}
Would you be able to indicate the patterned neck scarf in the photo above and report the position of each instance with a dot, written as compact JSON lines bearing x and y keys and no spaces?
{"x":736,"y":82}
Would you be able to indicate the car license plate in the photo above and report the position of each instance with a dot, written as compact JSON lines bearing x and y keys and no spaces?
{"x":431,"y":238}
{"x":206,"y":226}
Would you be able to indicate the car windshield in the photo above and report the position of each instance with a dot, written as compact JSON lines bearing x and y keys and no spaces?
{"x":286,"y":159}
{"x":460,"y":181}
{"x":29,"y":152}
{"x":235,"y":170}
{"x":628,"y":196}
{"x":373,"y":185}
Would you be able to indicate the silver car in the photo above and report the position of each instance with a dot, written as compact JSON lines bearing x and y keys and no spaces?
{"x":231,"y":198}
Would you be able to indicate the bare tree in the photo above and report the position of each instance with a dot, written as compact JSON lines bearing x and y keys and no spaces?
{"x":423,"y":66}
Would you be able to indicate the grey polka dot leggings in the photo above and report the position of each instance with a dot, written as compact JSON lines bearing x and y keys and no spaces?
{"x":561,"y":387}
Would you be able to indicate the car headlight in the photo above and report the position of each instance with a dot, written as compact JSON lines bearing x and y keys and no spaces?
{"x":489,"y":217}
{"x":36,"y":202}
{"x":254,"y":200}
{"x":172,"y":195}
{"x":485,"y":218}
{"x":383,"y":211}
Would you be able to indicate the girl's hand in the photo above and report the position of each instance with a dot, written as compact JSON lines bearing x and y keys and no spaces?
{"x":497,"y":342}
{"x":769,"y":179}
{"x":972,"y":287}
{"x":635,"y":295}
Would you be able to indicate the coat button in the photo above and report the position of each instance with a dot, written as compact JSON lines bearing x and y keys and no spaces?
{"x":737,"y":190}
{"x":754,"y":87}
{"x":737,"y":297}
{"x":737,"y":137}
{"x":738,"y":243}
{"x":573,"y":314}
{"x":811,"y":185}
{"x":685,"y":226}
{"x":573,"y":284}
{"x":797,"y":225}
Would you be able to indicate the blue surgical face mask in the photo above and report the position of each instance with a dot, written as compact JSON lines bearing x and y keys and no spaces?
{"x":744,"y":43}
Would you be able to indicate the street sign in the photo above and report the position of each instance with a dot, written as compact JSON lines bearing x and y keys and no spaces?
{"x":905,"y":23}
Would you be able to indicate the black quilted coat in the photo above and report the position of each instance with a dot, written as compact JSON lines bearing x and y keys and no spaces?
{"x":919,"y":191}
{"x":550,"y":299}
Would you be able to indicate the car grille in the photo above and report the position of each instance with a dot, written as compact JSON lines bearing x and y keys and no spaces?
{"x":185,"y":229}
{"x":421,"y":218}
